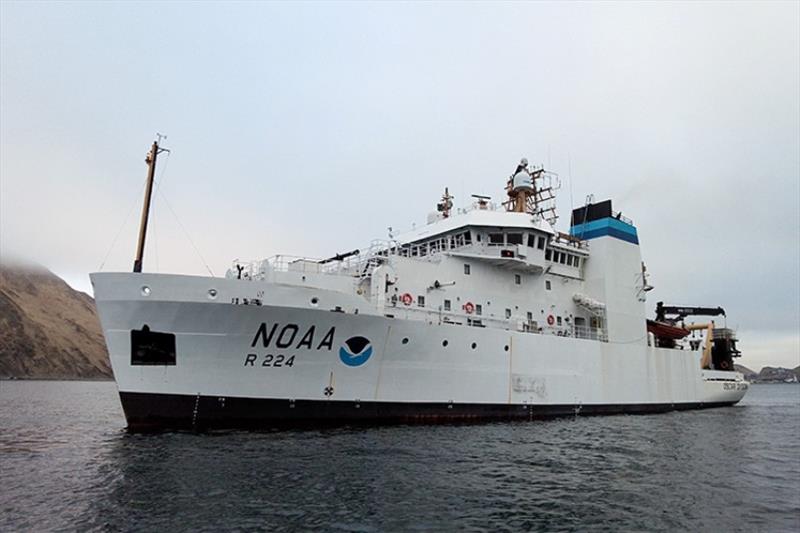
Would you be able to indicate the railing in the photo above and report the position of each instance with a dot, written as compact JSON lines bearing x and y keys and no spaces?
{"x":618,"y":216}
{"x":438,"y":315}
{"x":565,"y":239}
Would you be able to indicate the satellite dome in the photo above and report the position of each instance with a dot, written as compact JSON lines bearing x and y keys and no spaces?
{"x":522,"y":182}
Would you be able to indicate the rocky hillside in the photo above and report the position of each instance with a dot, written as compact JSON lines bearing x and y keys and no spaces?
{"x":47,"y":329}
{"x":770,"y":374}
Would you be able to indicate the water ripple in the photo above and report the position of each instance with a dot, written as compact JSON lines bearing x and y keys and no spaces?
{"x":67,"y":463}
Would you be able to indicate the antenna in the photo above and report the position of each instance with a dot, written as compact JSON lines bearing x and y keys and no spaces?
{"x":446,"y":204}
{"x":569,"y":175}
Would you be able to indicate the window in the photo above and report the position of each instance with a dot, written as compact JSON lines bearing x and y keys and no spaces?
{"x":421,"y":301}
{"x":548,"y":254}
{"x":447,"y":305}
{"x":531,"y":240}
{"x":541,"y":243}
{"x":562,"y":258}
{"x":508,"y":313}
{"x":530,"y":315}
{"x":495,"y":239}
{"x":577,"y":262}
{"x":514,"y":238}
{"x":558,"y":320}
{"x":466,"y":270}
{"x":517,"y":279}
{"x":467,"y":239}
{"x":547,"y":284}
{"x":569,"y":260}
{"x":479,"y":309}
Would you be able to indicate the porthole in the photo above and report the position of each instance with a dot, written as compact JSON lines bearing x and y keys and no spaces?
{"x":145,"y":291}
{"x":314,"y":301}
{"x":212,"y":293}
{"x":444,"y":343}
{"x":505,"y":347}
{"x":474,"y":345}
{"x":405,"y":340}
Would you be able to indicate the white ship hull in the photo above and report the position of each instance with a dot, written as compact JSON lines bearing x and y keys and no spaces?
{"x":283,"y":361}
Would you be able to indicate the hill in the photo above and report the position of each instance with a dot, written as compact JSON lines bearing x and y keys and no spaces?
{"x":749,"y":375}
{"x":47,"y":329}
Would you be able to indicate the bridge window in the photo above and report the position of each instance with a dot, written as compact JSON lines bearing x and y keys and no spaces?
{"x":569,"y":260}
{"x":541,"y":243}
{"x":466,"y":269}
{"x":577,"y":262}
{"x":548,"y":254}
{"x":496,"y":239}
{"x":531,"y":240}
{"x":514,"y":238}
{"x":562,"y":258}
{"x":468,"y":239}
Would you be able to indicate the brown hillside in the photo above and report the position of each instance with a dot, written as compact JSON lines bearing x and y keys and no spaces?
{"x":47,"y":329}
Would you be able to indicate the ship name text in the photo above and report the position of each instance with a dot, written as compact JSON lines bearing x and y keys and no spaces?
{"x":284,"y":337}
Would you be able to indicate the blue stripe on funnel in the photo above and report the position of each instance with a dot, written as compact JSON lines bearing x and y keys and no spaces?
{"x":605,"y":227}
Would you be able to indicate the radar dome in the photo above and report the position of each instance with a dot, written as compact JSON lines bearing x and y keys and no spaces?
{"x":522,"y":182}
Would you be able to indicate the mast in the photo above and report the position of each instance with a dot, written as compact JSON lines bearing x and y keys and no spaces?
{"x":151,"y":172}
{"x":532,"y":190}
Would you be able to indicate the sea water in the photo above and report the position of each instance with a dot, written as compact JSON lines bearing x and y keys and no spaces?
{"x":66,"y":462}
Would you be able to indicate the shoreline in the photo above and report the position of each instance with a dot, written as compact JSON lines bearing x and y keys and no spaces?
{"x":47,"y":378}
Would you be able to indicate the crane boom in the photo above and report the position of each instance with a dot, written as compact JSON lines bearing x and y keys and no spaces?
{"x":678,"y":313}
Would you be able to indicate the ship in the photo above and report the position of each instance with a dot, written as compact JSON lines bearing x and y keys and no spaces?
{"x":485,"y":312}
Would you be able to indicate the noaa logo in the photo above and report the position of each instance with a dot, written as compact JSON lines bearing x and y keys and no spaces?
{"x":355,"y":351}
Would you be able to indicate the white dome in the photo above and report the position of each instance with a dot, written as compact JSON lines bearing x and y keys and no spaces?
{"x":522,"y":182}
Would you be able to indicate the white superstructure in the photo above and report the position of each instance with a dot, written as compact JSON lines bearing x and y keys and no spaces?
{"x":484,"y":312}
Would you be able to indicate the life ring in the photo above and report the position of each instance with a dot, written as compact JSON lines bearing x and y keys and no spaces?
{"x":724,"y":365}
{"x":406,"y":299}
{"x":550,"y":320}
{"x":469,"y":308}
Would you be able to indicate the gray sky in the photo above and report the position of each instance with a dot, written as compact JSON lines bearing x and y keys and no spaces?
{"x":308,"y":129}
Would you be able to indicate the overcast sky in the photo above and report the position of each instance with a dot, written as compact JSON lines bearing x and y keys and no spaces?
{"x":308,"y":129}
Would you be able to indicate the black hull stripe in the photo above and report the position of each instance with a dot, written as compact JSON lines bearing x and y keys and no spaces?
{"x":147,"y":412}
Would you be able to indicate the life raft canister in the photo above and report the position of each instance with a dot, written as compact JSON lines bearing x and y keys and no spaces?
{"x":406,"y":299}
{"x":550,"y":320}
{"x":469,"y":308}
